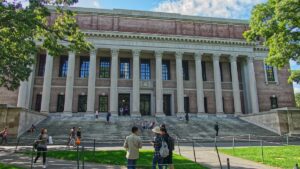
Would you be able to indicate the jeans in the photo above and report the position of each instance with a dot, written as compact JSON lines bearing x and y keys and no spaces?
{"x":40,"y":151}
{"x":131,"y":164}
{"x":158,"y":160}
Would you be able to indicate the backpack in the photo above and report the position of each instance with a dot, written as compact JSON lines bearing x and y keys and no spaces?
{"x":164,"y":150}
{"x":171,"y":142}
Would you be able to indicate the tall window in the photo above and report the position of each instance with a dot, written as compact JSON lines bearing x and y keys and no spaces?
{"x":60,"y":103}
{"x":270,"y":73}
{"x":145,"y":69}
{"x":124,"y":68}
{"x":103,"y":103}
{"x":63,"y":66}
{"x":205,"y":105}
{"x":104,"y":67}
{"x":166,"y":70}
{"x":186,"y":104}
{"x":274,"y":103}
{"x":42,"y":63}
{"x":84,"y":67}
{"x":221,"y":71}
{"x":82,"y":103}
{"x":185,"y":69}
{"x":38,"y":102}
{"x":203,"y":71}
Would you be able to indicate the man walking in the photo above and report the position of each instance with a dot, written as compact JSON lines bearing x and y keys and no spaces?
{"x":217,"y":128}
{"x":132,"y":144}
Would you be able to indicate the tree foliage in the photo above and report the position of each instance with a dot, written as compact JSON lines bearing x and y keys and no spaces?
{"x":24,"y":30}
{"x":295,"y":76}
{"x":297,"y":98}
{"x":278,"y":23}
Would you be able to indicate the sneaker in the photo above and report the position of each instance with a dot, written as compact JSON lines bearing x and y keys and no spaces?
{"x":44,"y":166}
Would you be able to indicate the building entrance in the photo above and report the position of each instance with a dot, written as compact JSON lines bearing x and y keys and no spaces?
{"x":145,"y":104}
{"x":167,"y":104}
{"x":124,"y":104}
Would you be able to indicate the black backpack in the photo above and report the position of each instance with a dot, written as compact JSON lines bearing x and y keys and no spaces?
{"x":171,"y":143}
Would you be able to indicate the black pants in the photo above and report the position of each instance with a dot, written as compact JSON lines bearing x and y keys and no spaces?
{"x":40,"y":151}
{"x":4,"y":139}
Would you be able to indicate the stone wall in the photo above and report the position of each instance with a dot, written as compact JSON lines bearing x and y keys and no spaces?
{"x":18,"y":120}
{"x":281,"y":121}
{"x":8,"y":97}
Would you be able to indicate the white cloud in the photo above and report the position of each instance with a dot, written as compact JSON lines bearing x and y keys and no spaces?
{"x":210,"y":8}
{"x":88,"y":3}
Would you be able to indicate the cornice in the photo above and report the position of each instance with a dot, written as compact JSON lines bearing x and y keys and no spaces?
{"x":172,"y":38}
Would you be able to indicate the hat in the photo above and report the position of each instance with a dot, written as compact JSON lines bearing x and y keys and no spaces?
{"x":156,"y":130}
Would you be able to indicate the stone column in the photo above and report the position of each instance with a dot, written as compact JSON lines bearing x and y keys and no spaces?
{"x":22,"y":97}
{"x":235,"y":85}
{"x":69,"y":83}
{"x":218,"y":83}
{"x":199,"y":83}
{"x":136,"y":83}
{"x":159,"y":85}
{"x":113,"y":97}
{"x":47,"y":84}
{"x":252,"y":85}
{"x":92,"y":81}
{"x":179,"y":79}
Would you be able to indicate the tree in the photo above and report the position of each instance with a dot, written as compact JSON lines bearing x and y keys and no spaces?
{"x":278,"y":23}
{"x":24,"y":30}
{"x":297,"y":98}
{"x":295,"y":76}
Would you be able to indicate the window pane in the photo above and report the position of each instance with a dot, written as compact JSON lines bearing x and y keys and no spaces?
{"x":185,"y":69}
{"x":145,"y":69}
{"x":63,"y":66}
{"x":104,"y":67}
{"x":270,"y":73}
{"x":60,"y":103}
{"x":166,"y":70}
{"x":42,"y":63}
{"x":125,"y":68}
{"x":103,"y":104}
{"x":84,"y":67}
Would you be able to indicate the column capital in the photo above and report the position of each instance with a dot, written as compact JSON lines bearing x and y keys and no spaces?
{"x":179,"y":54}
{"x":233,"y":57}
{"x":93,"y":51}
{"x":250,"y":58}
{"x":198,"y":55}
{"x":158,"y":53}
{"x":216,"y":56}
{"x":136,"y":52}
{"x":114,"y":51}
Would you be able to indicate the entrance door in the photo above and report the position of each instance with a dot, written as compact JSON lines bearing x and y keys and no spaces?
{"x":167,"y":104}
{"x":82,"y":103}
{"x":124,"y":104}
{"x":145,"y":104}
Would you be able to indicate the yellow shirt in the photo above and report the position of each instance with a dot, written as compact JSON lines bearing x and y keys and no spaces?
{"x":132,"y":144}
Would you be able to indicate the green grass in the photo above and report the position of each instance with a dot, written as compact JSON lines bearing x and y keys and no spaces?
{"x":283,"y":156}
{"x":5,"y":166}
{"x":118,"y":158}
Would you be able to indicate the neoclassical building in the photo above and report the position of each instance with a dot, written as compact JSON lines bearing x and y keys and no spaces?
{"x":152,"y":63}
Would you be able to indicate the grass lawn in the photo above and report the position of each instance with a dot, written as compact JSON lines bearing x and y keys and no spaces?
{"x":283,"y":156}
{"x":4,"y":166}
{"x":118,"y":158}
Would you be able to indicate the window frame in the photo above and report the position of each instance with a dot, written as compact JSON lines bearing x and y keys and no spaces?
{"x":186,"y":101}
{"x":185,"y":70}
{"x":103,"y":103}
{"x":63,"y":66}
{"x":104,"y":67}
{"x":270,"y":73}
{"x":124,"y":71}
{"x":78,"y":105}
{"x":42,"y":65}
{"x":145,"y":71}
{"x":60,"y":103}
{"x":203,"y":66}
{"x":166,"y":74}
{"x":38,"y":102}
{"x":84,"y":67}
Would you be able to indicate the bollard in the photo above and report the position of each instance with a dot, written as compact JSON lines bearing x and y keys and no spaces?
{"x":194,"y":152}
{"x":249,"y":138}
{"x":82,"y":155}
{"x":228,"y":163}
{"x":77,"y":156}
{"x":262,"y":150}
{"x":233,"y":143}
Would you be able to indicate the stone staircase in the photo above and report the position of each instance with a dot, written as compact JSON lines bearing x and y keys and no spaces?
{"x":198,"y":127}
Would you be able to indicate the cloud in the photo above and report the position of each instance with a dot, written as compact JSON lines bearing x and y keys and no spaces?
{"x":212,"y":8}
{"x":294,"y":65}
{"x":88,"y":3}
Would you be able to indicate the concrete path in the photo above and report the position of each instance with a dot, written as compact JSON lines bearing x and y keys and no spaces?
{"x":208,"y":157}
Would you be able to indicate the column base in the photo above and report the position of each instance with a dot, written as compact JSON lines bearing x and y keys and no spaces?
{"x":159,"y":114}
{"x":68,"y":113}
{"x":135,"y":114}
{"x":180,"y":114}
{"x":236,"y":114}
{"x":201,"y":114}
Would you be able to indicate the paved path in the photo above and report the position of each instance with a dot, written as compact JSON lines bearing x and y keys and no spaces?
{"x":208,"y":157}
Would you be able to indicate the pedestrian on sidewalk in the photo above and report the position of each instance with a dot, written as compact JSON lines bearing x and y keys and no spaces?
{"x":97,"y":114}
{"x":78,"y":133}
{"x":4,"y":134}
{"x":132,"y":144}
{"x":217,"y":128}
{"x":157,"y":144}
{"x":171,"y":146}
{"x":187,"y":118}
{"x":108,"y":117}
{"x":42,"y":146}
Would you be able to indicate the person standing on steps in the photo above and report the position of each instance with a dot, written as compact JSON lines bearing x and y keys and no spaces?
{"x":42,"y":146}
{"x":217,"y":128}
{"x":187,"y":118}
{"x":4,"y":134}
{"x":108,"y":117}
{"x":132,"y":144}
{"x":96,"y":114}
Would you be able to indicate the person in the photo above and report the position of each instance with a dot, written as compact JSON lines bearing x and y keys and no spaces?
{"x":151,"y":126}
{"x":187,"y":118}
{"x":132,"y":144}
{"x":78,"y":134}
{"x":42,"y":146}
{"x":96,"y":114}
{"x":217,"y":128}
{"x":72,"y":137}
{"x":4,"y":134}
{"x":296,"y":166}
{"x":157,"y":143}
{"x":170,"y":142}
{"x":108,"y":117}
{"x":32,"y":128}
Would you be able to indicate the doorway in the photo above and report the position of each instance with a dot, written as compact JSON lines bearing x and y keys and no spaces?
{"x":167,"y":104}
{"x":145,"y":104}
{"x":124,"y":105}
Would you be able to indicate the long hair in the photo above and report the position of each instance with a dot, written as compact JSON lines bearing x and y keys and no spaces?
{"x":42,"y":131}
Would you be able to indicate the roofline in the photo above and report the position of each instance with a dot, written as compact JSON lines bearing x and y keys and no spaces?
{"x":154,"y":15}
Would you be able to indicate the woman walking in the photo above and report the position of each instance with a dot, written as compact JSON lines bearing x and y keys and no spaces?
{"x":42,"y":146}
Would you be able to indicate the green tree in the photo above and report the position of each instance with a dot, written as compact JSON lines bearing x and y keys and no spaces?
{"x":295,"y":76}
{"x":24,"y":30}
{"x":277,"y":22}
{"x":297,"y":98}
